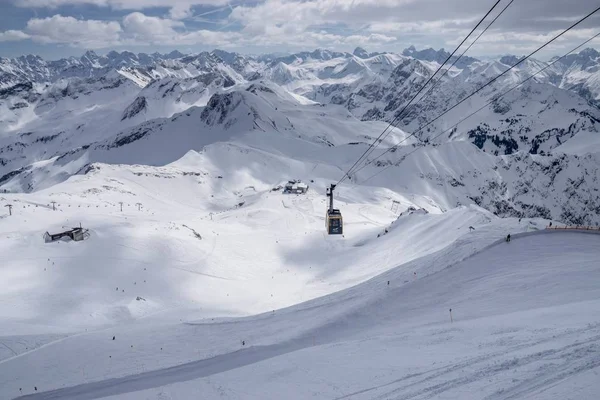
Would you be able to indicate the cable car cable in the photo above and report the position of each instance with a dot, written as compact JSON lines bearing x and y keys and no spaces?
{"x":485,"y":85}
{"x":436,"y":84}
{"x":486,"y":105}
{"x":374,"y":144}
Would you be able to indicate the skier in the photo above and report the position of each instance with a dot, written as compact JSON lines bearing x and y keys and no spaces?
{"x":508,"y":238}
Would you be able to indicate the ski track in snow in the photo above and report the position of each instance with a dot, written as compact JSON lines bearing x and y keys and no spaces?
{"x":582,"y":356}
{"x":423,"y":386}
{"x":167,"y":376}
{"x":561,"y":354}
{"x":203,"y":254}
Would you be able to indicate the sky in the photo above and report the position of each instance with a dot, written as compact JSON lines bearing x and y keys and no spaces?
{"x":59,"y":28}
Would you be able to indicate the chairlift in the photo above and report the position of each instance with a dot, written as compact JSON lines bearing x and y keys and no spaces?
{"x":334,"y":222}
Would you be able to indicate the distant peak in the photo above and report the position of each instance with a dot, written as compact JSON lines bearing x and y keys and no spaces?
{"x":427,"y":54}
{"x":33,"y":57}
{"x":439,"y":56}
{"x":360,"y":53}
{"x":510,"y":60}
{"x":320,"y":52}
{"x":409,"y":51}
{"x":175,"y":54}
{"x":589,"y":52}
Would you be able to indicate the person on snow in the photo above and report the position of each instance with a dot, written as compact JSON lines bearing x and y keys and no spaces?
{"x":508,"y":238}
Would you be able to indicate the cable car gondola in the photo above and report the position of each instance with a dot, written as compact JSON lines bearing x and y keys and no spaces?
{"x":333,"y":223}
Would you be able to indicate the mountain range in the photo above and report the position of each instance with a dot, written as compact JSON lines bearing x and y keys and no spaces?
{"x":532,"y":152}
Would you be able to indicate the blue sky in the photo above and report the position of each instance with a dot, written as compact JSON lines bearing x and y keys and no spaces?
{"x":13,"y":17}
{"x":60,"y":28}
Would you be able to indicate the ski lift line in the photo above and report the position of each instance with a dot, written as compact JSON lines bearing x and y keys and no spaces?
{"x":436,"y":84}
{"x":486,"y":105}
{"x":490,"y":102}
{"x":376,"y":141}
{"x":484,"y":86}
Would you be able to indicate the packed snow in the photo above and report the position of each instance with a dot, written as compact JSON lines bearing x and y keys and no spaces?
{"x":180,"y":279}
{"x":524,"y":313}
{"x":202,"y":276}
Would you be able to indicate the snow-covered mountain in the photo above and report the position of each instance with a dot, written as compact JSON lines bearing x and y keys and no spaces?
{"x":152,"y":109}
{"x":438,"y":56}
{"x":200,"y":275}
{"x":35,"y":69}
{"x":581,"y":74}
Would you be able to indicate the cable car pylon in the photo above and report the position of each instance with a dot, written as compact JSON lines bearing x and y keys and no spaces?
{"x":333,"y":223}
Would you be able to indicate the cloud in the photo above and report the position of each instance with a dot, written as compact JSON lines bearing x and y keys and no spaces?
{"x":424,"y":21}
{"x":425,"y":27}
{"x":79,"y":33}
{"x":523,"y":43}
{"x":135,"y":29}
{"x":13,"y":36}
{"x":150,"y":30}
{"x":181,"y":11}
{"x":304,"y":24}
{"x":118,"y":4}
{"x":210,"y":38}
{"x":56,"y":3}
{"x":140,"y":29}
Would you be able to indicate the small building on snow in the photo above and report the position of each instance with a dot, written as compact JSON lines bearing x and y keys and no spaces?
{"x":75,"y":234}
{"x":295,"y":186}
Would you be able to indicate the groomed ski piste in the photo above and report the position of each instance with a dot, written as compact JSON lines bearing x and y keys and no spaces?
{"x":211,"y":292}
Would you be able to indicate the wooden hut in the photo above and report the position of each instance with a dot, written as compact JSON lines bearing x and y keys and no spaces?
{"x":75,"y":234}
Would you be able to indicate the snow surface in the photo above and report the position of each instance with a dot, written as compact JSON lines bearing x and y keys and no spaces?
{"x":213,"y":282}
{"x":525,"y":321}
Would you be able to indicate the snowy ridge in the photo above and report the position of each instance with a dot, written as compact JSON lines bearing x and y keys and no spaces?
{"x":372,"y":86}
{"x":266,"y":116}
{"x":200,"y":276}
{"x":34,"y":68}
{"x":559,"y":187}
{"x":367,"y":306}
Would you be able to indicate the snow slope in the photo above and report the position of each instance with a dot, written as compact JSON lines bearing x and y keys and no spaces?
{"x":271,"y":124}
{"x":559,"y":186}
{"x":261,"y":115}
{"x":201,"y":276}
{"x":373,"y":86}
{"x":259,"y":251}
{"x":177,"y":201}
{"x":518,"y":313}
{"x":408,"y":349}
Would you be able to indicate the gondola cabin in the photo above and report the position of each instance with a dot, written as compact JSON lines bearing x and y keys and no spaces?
{"x":334,"y":222}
